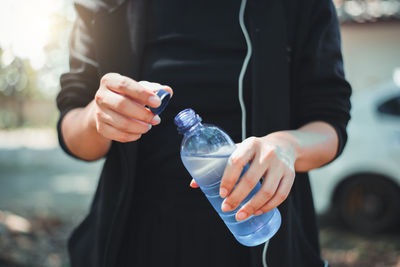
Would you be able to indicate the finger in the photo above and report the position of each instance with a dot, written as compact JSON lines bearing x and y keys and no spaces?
{"x":125,"y":106}
{"x":112,"y":133}
{"x":239,"y":158}
{"x":248,"y":181}
{"x":266,"y":193}
{"x":156,"y":86}
{"x":280,"y":195}
{"x":123,"y":123}
{"x":127,"y":86}
{"x":193,"y":184}
{"x":243,"y":153}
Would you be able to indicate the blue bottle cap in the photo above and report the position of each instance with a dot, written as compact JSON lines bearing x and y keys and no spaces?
{"x":165,"y":96}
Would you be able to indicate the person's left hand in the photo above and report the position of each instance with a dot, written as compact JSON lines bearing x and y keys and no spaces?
{"x":271,"y":157}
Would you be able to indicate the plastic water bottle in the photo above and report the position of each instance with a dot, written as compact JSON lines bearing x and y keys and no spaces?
{"x":205,"y":151}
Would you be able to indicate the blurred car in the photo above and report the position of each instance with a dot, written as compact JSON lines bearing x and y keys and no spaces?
{"x":362,"y":186}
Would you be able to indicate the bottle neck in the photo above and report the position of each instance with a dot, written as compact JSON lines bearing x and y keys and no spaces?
{"x":187,"y":120}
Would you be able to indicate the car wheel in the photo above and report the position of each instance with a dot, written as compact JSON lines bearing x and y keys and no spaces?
{"x":368,"y":203}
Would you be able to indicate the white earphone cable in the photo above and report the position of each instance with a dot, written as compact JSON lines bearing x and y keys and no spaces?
{"x":244,"y":66}
{"x":264,"y":254}
{"x":240,"y":86}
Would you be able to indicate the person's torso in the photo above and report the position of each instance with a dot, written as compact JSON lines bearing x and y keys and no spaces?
{"x":198,"y":49}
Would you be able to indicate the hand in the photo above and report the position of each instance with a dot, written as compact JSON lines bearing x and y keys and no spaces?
{"x":120,"y":111}
{"x":271,"y":157}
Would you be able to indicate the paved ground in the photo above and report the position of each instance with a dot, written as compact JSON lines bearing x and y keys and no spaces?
{"x":45,"y":181}
{"x":50,"y":191}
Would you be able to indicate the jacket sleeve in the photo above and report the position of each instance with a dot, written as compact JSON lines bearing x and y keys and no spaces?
{"x":79,"y":85}
{"x":321,"y":90}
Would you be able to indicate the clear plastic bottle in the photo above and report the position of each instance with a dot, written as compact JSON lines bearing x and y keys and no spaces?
{"x":205,"y":151}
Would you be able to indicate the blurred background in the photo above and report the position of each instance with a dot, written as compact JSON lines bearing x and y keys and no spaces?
{"x":44,"y":193}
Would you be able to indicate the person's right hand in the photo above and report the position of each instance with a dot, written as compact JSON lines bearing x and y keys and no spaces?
{"x":120,"y":111}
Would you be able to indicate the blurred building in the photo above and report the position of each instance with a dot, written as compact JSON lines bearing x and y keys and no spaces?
{"x":371,"y":40}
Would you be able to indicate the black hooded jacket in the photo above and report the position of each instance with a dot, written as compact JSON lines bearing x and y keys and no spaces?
{"x":296,"y":52}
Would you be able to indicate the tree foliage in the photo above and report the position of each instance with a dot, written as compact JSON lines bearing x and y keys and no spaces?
{"x":18,"y":83}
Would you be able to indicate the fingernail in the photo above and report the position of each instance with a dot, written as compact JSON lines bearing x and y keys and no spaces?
{"x":156,"y":119}
{"x":241,"y":215}
{"x":154,"y":101}
{"x":150,"y":126}
{"x":223,"y":192}
{"x":226,"y":207}
{"x":258,"y":212}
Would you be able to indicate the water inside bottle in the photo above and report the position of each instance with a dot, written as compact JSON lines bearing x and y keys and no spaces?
{"x":207,"y":171}
{"x":205,"y":152}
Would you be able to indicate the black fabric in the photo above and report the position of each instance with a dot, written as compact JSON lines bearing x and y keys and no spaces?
{"x":321,"y":93}
{"x":296,"y":76}
{"x":201,"y":60}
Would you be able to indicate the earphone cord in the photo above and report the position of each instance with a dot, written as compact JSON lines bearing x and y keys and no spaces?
{"x":264,"y":254}
{"x":244,"y":66}
{"x":240,"y":86}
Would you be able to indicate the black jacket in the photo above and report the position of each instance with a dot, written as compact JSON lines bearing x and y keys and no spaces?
{"x":297,"y":77}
